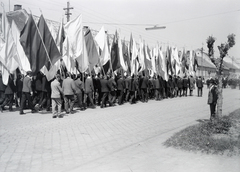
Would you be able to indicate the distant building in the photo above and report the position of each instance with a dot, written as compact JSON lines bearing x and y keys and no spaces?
{"x":20,"y":17}
{"x":205,"y":68}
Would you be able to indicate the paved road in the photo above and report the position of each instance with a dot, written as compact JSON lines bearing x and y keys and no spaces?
{"x":127,"y":138}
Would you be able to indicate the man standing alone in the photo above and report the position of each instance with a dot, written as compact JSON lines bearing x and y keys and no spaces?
{"x":212,"y":98}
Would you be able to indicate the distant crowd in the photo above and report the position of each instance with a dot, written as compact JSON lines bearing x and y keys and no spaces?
{"x":80,"y":92}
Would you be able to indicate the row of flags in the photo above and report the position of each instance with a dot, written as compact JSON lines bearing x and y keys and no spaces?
{"x":75,"y":49}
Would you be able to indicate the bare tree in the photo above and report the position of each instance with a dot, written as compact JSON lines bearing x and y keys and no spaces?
{"x":218,"y":62}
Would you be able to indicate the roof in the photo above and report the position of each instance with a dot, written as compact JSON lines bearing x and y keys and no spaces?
{"x":20,"y":17}
{"x":203,"y":59}
{"x":230,"y":63}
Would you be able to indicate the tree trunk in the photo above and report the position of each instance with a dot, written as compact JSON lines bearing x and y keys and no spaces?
{"x":220,"y":97}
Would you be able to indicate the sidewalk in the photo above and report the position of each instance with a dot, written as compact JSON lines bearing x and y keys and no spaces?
{"x":116,"y":139}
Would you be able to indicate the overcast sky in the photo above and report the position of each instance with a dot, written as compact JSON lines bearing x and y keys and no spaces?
{"x":188,"y":22}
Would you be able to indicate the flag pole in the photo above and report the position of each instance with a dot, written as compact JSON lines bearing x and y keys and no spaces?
{"x":110,"y":61}
{"x":82,"y":59}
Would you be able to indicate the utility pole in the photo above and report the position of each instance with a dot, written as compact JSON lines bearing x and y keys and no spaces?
{"x":68,"y":11}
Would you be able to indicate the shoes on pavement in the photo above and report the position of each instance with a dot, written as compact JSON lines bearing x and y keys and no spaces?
{"x":54,"y":116}
{"x":34,"y":111}
{"x":93,"y":107}
{"x":60,"y":116}
{"x":21,"y":113}
{"x":40,"y":108}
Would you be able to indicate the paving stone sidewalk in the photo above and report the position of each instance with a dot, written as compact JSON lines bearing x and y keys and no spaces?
{"x":115,"y":139}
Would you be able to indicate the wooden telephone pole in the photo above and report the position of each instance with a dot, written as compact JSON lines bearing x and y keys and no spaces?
{"x":68,"y":11}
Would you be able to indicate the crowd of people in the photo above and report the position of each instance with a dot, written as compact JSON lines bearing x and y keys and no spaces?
{"x":64,"y":95}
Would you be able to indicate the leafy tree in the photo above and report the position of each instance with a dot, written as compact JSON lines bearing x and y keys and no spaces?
{"x":218,"y":62}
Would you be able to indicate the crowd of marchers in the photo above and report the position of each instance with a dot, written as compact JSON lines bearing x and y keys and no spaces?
{"x":68,"y":94}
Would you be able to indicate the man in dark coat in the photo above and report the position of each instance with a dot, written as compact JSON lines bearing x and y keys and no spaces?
{"x":105,"y":88}
{"x":120,"y":89}
{"x":9,"y":94}
{"x":26,"y":93}
{"x":157,"y":88}
{"x":144,"y":88}
{"x":37,"y":89}
{"x":185,"y":85}
{"x":46,"y":94}
{"x":199,"y":84}
{"x":151,"y":83}
{"x":175,"y":85}
{"x":19,"y":85}
{"x":191,"y":85}
{"x":79,"y":91}
{"x":127,"y":83}
{"x":171,"y":87}
{"x":113,"y":88}
{"x":180,"y":86}
{"x":97,"y":89}
{"x":212,"y":98}
{"x":2,"y":89}
{"x":132,"y":90}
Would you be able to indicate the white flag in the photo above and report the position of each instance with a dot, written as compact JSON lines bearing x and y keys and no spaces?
{"x":122,"y":62}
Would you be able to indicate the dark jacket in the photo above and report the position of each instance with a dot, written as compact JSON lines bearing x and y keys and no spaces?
{"x":127,"y":83}
{"x":19,"y":84}
{"x":46,"y":86}
{"x":157,"y":83}
{"x":170,"y":83}
{"x":212,"y":95}
{"x":37,"y":83}
{"x":105,"y":86}
{"x":120,"y":84}
{"x":185,"y":83}
{"x":199,"y":83}
{"x":2,"y":86}
{"x":180,"y":83}
{"x":96,"y":84}
{"x":144,"y":82}
{"x":132,"y":85}
{"x":11,"y":88}
{"x":112,"y":84}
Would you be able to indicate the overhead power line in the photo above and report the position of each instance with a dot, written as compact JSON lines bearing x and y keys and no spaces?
{"x":177,"y":21}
